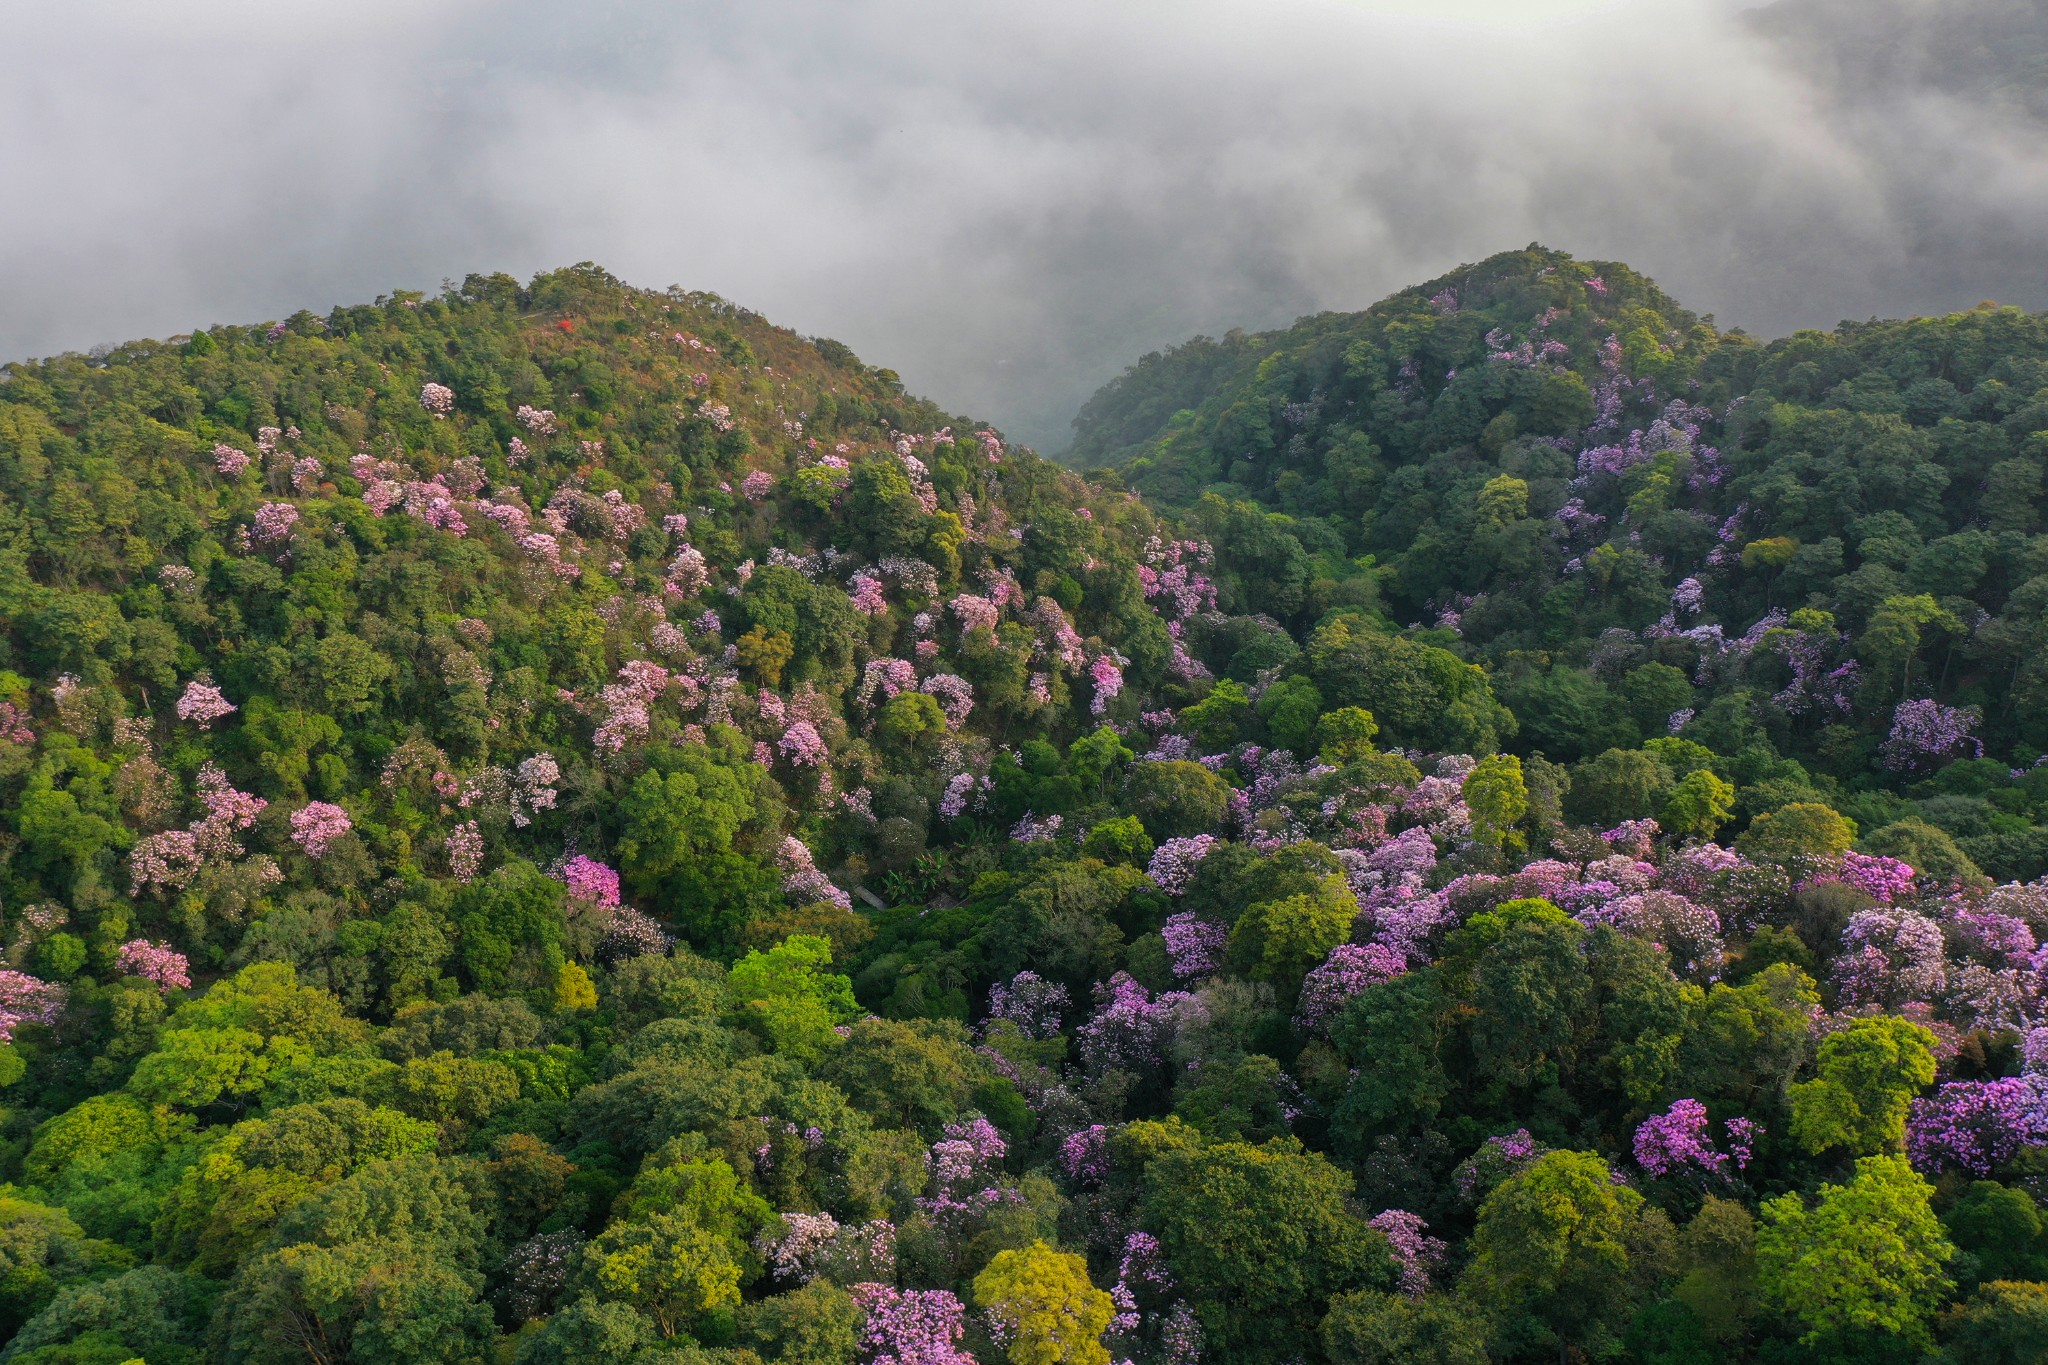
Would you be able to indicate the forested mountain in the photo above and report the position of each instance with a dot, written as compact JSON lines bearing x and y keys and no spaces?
{"x":561,"y":823}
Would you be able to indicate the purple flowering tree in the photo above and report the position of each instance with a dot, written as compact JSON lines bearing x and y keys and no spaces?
{"x":1977,"y":1126}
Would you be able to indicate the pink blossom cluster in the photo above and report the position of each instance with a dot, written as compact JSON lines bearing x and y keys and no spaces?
{"x":589,"y":880}
{"x":26,"y":999}
{"x":1885,"y":879}
{"x":1130,"y":1029}
{"x":1031,"y":1003}
{"x":157,"y":963}
{"x":316,"y":825}
{"x":14,"y":726}
{"x":170,"y":859}
{"x":954,"y":694}
{"x":1977,"y":1126}
{"x":1084,"y":1154}
{"x":1497,"y":1158}
{"x":465,"y":851}
{"x":963,"y":1171}
{"x":539,"y":421}
{"x":1925,"y":731}
{"x":910,"y":1326}
{"x":1108,"y":676}
{"x":866,"y":595}
{"x":202,"y":703}
{"x":1677,"y":1140}
{"x":437,"y":399}
{"x":802,"y":745}
{"x":1415,"y":1252}
{"x":273,"y":521}
{"x":757,"y":485}
{"x":1350,"y":970}
{"x":534,"y":787}
{"x":953,"y":801}
{"x":974,"y":612}
{"x":229,"y":461}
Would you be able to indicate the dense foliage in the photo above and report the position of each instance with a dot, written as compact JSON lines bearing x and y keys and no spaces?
{"x":562,"y":823}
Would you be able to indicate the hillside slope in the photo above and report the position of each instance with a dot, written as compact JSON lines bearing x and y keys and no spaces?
{"x":559,"y":823}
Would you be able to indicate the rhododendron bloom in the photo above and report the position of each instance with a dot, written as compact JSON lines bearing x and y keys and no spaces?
{"x":438,"y":399}
{"x":229,"y":461}
{"x":273,"y":521}
{"x":164,"y":967}
{"x":202,"y":703}
{"x":802,"y":745}
{"x":316,"y":825}
{"x":25,"y":999}
{"x":590,"y":880}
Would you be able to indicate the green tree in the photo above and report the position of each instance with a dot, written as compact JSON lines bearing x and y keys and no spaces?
{"x":1175,"y":799}
{"x":1868,"y":1256}
{"x":1050,"y":1312}
{"x":1279,"y":941}
{"x":1345,"y":734}
{"x":1700,"y":804}
{"x":1261,"y":1239}
{"x":1866,"y":1077}
{"x":1805,"y":831}
{"x":1495,"y":794}
{"x":788,"y":994}
{"x":1551,"y":1256}
{"x":1370,"y":1327}
{"x":2004,"y":1323}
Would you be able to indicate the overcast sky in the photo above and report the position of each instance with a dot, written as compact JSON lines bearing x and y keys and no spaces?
{"x":1005,"y":202}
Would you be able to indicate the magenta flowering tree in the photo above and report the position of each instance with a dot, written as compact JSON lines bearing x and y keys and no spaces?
{"x":1885,"y":879}
{"x":954,"y":694}
{"x":1350,"y":969}
{"x":865,"y":591}
{"x":1107,"y":674}
{"x":1889,"y":956}
{"x":964,"y":1172}
{"x":316,"y":825}
{"x":273,"y":522}
{"x":590,"y":880}
{"x":161,"y":966}
{"x":1194,"y":946}
{"x":1130,"y":1029}
{"x":202,"y":703}
{"x":910,"y":1326}
{"x":465,"y":845}
{"x":229,"y":462}
{"x":1977,"y":1126}
{"x":1677,"y":1141}
{"x":1084,"y":1154}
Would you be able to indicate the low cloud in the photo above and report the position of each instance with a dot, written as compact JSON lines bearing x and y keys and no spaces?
{"x":1006,"y":203}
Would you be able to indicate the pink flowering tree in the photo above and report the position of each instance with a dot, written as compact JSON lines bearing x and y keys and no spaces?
{"x":161,"y":966}
{"x":437,"y":399}
{"x":26,"y":999}
{"x":316,"y":825}
{"x":802,"y":745}
{"x":202,"y":703}
{"x":589,"y":880}
{"x":910,"y":1326}
{"x":1977,"y":1126}
{"x":1416,"y":1253}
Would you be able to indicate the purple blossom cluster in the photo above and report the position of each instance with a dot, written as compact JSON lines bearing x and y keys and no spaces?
{"x":1676,"y":1141}
{"x":1977,"y":1126}
{"x":1924,"y":732}
{"x":1350,"y":969}
{"x":1416,"y":1253}
{"x":1194,"y":946}
{"x":910,"y":1326}
{"x":1034,"y":1005}
{"x":589,"y":880}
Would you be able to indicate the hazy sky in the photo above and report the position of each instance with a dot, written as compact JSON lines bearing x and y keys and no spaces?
{"x":1006,"y":202}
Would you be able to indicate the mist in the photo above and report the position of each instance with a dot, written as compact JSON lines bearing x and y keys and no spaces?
{"x":1006,"y":203}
